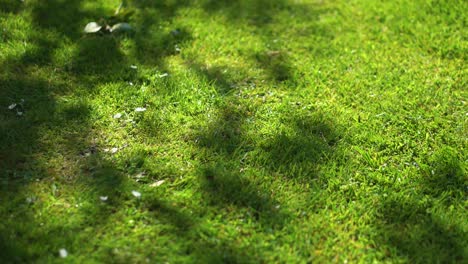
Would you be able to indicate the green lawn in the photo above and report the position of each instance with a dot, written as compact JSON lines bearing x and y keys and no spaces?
{"x":275,"y":131}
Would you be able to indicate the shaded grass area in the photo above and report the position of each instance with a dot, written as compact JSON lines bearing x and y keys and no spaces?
{"x":285,"y":131}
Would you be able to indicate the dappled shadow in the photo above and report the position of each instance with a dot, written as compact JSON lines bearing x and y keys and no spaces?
{"x":196,"y":238}
{"x":153,"y":51}
{"x":258,"y":12}
{"x":8,"y":6}
{"x":224,"y":187}
{"x":445,"y":177}
{"x":161,"y":210}
{"x":418,"y":235}
{"x":49,"y":123}
{"x":225,"y":182}
{"x":296,"y":153}
{"x":276,"y":64}
{"x":216,"y":76}
{"x":232,"y":160}
{"x":65,"y":17}
{"x":420,"y":229}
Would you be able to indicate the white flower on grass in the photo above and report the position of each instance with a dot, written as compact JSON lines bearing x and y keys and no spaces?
{"x":63,"y":253}
{"x":118,"y":115}
{"x":136,"y":194}
{"x":103,"y":198}
{"x":140,"y":109}
{"x":12,"y":106}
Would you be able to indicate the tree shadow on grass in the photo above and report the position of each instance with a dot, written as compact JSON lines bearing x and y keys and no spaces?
{"x":222,"y":180}
{"x":297,"y":151}
{"x":64,"y":17}
{"x":49,"y":121}
{"x":421,"y":226}
{"x":276,"y":64}
{"x":7,"y":6}
{"x":37,"y":77}
{"x":233,"y":162}
{"x":216,"y":76}
{"x":258,"y":12}
{"x":197,"y":239}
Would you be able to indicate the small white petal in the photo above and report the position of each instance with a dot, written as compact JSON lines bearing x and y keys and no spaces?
{"x":118,"y":115}
{"x":130,"y":83}
{"x":114,"y":150}
{"x":163,"y":75}
{"x":140,"y":109}
{"x":103,"y":198}
{"x":19,"y":113}
{"x":133,"y":67}
{"x":92,"y":27}
{"x":156,"y":184}
{"x":63,"y":253}
{"x":11,"y":106}
{"x":140,"y":175}
{"x":136,"y":194}
{"x":106,"y":150}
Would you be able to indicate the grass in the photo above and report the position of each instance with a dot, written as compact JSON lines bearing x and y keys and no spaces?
{"x":285,"y":132}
